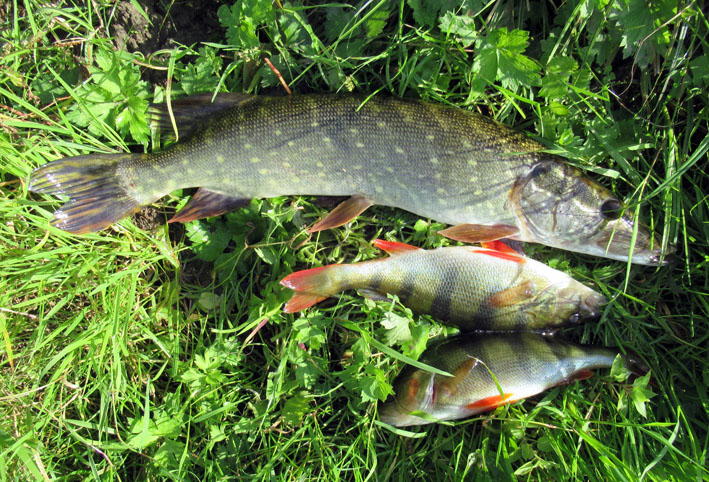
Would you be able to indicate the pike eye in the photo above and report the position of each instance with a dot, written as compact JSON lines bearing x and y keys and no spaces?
{"x":611,"y":209}
{"x":538,"y":170}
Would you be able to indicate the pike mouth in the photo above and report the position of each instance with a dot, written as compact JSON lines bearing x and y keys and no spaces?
{"x":617,"y":246}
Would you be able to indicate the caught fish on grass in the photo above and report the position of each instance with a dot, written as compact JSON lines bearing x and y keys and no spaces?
{"x":489,"y":371}
{"x":439,"y":162}
{"x":471,"y":287}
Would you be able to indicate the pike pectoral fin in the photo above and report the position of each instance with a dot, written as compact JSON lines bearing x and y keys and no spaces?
{"x":478,"y":233}
{"x":206,"y":203}
{"x":512,"y":296}
{"x":392,"y":247}
{"x":490,"y":403}
{"x":188,"y":112}
{"x":342,"y":214}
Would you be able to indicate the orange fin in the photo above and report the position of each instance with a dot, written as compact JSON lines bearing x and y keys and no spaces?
{"x":301,"y":301}
{"x":477,"y":233}
{"x":393,"y":247}
{"x":309,"y":280}
{"x":509,"y":256}
{"x":578,"y":376}
{"x":412,"y":388}
{"x":311,"y":286}
{"x":491,"y":402}
{"x":205,"y":203}
{"x":342,"y":214}
{"x":512,"y":296}
{"x":450,"y":385}
{"x":504,"y":245}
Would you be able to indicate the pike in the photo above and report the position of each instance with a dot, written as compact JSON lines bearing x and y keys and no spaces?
{"x":490,"y":288}
{"x":439,"y":162}
{"x":489,"y":371}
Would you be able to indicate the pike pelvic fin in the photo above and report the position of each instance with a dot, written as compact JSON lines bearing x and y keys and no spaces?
{"x":97,"y":198}
{"x":393,"y":248}
{"x":310,"y":285}
{"x":342,"y":214}
{"x":205,"y":203}
{"x":478,"y":233}
{"x":189,"y":112}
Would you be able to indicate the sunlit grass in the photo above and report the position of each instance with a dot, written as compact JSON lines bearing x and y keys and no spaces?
{"x":136,"y":353}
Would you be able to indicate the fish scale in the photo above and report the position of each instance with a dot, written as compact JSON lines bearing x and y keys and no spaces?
{"x":354,"y":151}
{"x":450,"y":286}
{"x":489,"y":370}
{"x":436,"y":161}
{"x":472,"y":288}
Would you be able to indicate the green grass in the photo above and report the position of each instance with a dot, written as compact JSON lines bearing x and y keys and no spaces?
{"x":156,"y":352}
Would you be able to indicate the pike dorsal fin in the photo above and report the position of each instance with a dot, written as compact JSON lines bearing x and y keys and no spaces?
{"x":206,"y":203}
{"x":393,"y":248}
{"x":342,"y":214}
{"x":478,"y":233}
{"x":191,"y":111}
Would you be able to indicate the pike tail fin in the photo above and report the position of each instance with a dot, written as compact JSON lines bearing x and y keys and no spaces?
{"x":311,"y":286}
{"x":97,"y":197}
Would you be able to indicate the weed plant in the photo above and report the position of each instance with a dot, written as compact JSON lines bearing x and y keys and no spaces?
{"x":150,"y":351}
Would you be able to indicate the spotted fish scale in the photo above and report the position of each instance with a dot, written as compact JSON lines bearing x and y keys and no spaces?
{"x":312,"y":148}
{"x":439,"y":162}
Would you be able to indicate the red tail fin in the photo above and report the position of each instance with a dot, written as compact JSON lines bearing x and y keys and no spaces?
{"x":301,"y":301}
{"x":311,"y":286}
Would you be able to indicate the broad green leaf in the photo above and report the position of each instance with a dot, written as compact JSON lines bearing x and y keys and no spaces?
{"x":295,"y":408}
{"x":461,"y":27}
{"x":374,"y":386}
{"x":397,"y":328}
{"x":208,"y":241}
{"x":559,"y":71}
{"x":640,"y":394}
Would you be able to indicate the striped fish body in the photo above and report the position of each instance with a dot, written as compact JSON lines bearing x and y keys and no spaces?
{"x":436,"y":161}
{"x":470,"y":287}
{"x":523,"y":365}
